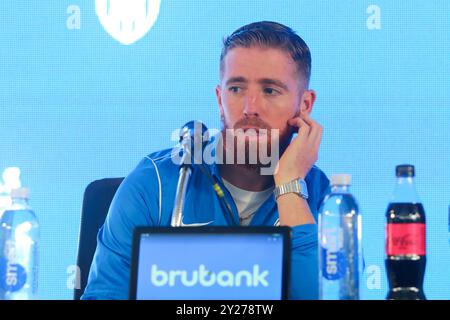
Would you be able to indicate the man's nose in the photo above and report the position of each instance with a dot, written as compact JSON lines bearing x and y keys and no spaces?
{"x":252,"y":105}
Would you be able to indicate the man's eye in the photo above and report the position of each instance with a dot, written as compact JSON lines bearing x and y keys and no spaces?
{"x":234,"y":89}
{"x":271,"y":91}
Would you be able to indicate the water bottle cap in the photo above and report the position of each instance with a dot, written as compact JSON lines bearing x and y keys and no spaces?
{"x":341,"y":179}
{"x":21,"y":193}
{"x":404,"y":171}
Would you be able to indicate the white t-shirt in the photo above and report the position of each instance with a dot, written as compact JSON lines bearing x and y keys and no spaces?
{"x":247,"y":202}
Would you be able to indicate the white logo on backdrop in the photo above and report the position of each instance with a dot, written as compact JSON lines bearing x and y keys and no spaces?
{"x":127,"y":21}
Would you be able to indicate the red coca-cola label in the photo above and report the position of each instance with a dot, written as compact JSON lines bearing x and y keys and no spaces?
{"x":405,"y":238}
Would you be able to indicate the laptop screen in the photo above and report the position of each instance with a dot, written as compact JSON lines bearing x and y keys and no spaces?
{"x":210,"y":263}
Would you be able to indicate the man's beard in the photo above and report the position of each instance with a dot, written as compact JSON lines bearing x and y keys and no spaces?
{"x":247,"y":154}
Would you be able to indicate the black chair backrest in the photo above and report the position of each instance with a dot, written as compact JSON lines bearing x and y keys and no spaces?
{"x":97,"y":199}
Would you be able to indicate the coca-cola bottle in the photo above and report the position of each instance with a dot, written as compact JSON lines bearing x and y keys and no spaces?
{"x":405,"y":239}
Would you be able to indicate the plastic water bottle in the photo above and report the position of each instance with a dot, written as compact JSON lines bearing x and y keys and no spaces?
{"x":340,"y":252}
{"x":19,"y":249}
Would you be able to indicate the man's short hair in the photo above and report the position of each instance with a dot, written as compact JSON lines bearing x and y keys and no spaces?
{"x":267,"y":34}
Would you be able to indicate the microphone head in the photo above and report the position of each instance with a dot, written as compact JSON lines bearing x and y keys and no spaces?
{"x":195,"y":130}
{"x":194,"y":136}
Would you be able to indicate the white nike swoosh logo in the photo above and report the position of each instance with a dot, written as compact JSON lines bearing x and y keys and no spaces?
{"x":200,"y":224}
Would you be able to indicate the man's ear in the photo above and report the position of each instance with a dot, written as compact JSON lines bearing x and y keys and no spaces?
{"x":307,"y":101}
{"x":219,"y":100}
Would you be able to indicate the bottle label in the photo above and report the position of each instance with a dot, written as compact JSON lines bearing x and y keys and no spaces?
{"x":405,"y":238}
{"x":13,"y":276}
{"x":334,"y":265}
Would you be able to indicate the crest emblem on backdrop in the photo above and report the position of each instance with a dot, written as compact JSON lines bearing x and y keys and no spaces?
{"x":127,"y":21}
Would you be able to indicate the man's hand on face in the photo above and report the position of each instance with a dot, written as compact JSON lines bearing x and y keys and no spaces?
{"x":302,"y":152}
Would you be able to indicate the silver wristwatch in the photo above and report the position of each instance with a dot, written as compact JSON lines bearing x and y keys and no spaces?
{"x":297,"y":186}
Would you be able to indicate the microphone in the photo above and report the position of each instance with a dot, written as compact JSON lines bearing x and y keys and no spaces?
{"x":194,"y":136}
{"x":195,"y":132}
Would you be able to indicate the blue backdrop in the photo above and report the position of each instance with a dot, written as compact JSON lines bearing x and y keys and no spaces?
{"x":77,"y":105}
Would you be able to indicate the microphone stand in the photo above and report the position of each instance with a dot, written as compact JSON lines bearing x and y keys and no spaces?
{"x":183,"y":179}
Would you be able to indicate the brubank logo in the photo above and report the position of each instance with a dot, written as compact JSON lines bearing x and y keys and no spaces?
{"x":205,"y":278}
{"x":127,"y":21}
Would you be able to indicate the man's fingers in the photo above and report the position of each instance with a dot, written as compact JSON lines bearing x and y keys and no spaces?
{"x":304,"y":128}
{"x":316,"y":132}
{"x":309,"y":129}
{"x":315,"y":135}
{"x":318,"y":137}
{"x":316,"y":128}
{"x":305,"y":116}
{"x":293,"y":121}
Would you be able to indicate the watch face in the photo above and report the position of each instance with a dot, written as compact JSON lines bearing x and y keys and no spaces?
{"x":303,"y":188}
